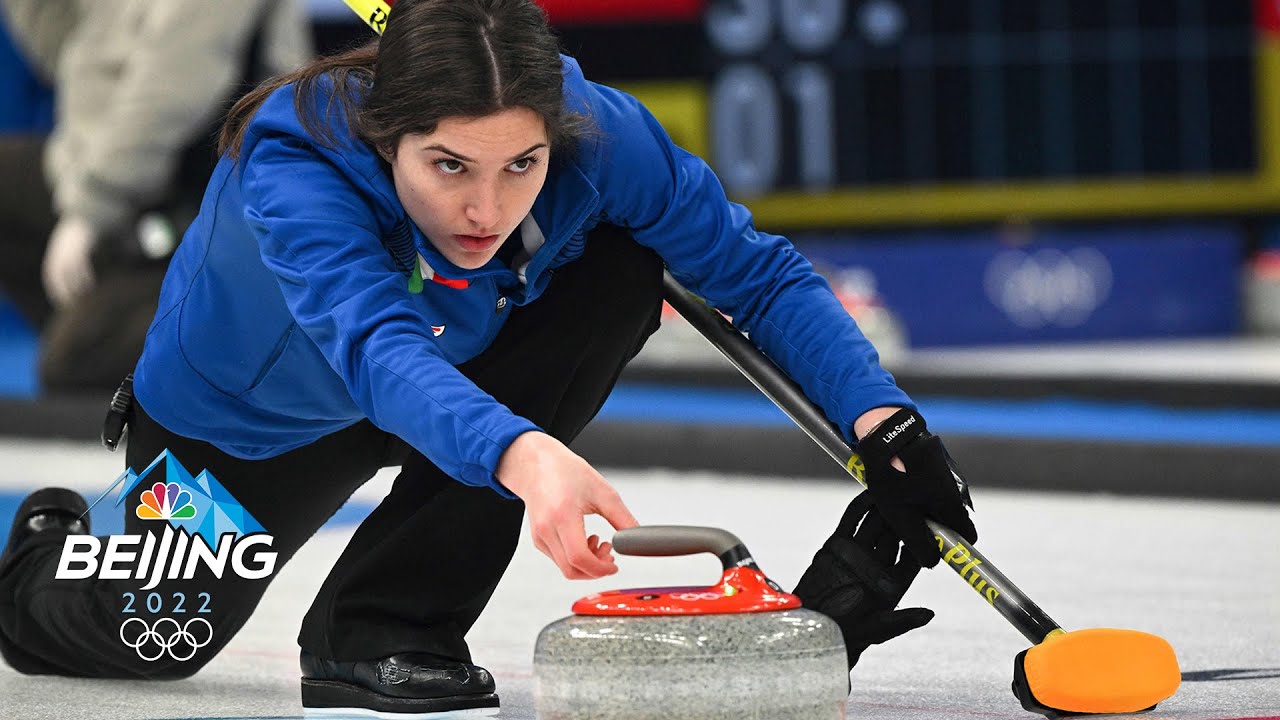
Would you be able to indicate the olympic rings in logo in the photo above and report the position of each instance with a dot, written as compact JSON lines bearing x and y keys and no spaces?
{"x":180,"y":641}
{"x":696,"y":596}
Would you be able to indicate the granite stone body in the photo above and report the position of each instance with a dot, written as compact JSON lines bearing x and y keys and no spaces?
{"x":781,"y":665}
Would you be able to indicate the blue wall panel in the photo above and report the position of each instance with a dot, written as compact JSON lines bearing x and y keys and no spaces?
{"x":973,"y":286}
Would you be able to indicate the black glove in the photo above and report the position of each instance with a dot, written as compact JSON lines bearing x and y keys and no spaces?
{"x":932,"y":486}
{"x":858,"y":578}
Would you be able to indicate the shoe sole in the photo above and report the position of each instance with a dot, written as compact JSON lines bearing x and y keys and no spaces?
{"x":348,"y":713}
{"x":332,"y":699}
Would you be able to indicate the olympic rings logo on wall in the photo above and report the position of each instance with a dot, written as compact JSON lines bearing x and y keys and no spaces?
{"x":167,"y":636}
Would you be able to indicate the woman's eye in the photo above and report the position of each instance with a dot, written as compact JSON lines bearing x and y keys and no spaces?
{"x":449,"y":167}
{"x":521,"y":165}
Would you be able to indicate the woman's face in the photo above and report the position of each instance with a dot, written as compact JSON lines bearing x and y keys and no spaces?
{"x":469,"y":184}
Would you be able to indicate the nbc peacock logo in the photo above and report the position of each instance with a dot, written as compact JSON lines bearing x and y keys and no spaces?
{"x":166,"y":502}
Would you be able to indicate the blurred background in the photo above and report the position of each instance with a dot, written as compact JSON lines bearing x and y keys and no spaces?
{"x":1058,"y":221}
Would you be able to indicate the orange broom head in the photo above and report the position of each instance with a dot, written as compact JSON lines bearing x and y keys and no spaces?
{"x":1101,"y":670}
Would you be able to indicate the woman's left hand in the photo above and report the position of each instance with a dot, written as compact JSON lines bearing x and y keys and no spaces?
{"x":913,"y":480}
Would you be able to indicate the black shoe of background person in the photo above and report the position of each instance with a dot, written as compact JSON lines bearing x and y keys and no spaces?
{"x":419,"y":683}
{"x":48,"y":510}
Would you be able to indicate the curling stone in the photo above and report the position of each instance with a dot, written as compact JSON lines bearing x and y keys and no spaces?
{"x":739,"y":649}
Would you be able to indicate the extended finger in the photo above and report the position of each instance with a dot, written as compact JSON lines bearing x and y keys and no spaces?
{"x":608,"y":505}
{"x":887,"y":625}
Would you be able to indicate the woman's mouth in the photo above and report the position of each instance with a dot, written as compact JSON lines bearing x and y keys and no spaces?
{"x":475,"y":243}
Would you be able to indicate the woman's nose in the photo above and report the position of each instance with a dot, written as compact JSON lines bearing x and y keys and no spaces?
{"x":484,"y":209}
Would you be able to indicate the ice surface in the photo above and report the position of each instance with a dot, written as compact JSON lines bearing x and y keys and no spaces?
{"x":1203,"y":575}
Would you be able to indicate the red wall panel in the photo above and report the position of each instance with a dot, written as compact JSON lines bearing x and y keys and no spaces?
{"x":575,"y":12}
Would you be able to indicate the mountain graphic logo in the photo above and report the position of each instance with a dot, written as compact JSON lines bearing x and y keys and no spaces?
{"x":198,"y":504}
{"x":166,"y":502}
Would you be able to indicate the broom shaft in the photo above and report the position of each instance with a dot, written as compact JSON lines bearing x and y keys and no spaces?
{"x":972,"y":566}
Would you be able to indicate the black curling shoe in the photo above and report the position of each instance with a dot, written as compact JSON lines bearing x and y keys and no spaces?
{"x":408,"y":685}
{"x":49,"y":510}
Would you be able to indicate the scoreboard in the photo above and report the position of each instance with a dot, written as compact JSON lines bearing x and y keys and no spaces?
{"x":824,"y":93}
{"x":837,"y":113}
{"x":845,"y":112}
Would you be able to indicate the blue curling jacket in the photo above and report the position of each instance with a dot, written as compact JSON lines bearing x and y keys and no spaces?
{"x":286,"y":313}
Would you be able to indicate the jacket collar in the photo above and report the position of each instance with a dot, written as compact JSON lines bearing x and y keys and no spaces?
{"x":559,"y":211}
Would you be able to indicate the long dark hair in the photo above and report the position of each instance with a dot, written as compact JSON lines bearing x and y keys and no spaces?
{"x":435,"y":59}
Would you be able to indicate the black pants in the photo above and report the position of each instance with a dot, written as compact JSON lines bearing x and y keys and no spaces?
{"x":419,"y":570}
